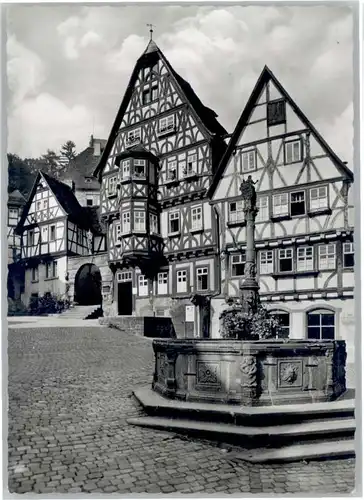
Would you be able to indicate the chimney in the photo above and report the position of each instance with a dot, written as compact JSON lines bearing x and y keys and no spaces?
{"x":97,"y":148}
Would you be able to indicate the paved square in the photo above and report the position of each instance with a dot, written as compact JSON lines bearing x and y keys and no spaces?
{"x":69,"y":398}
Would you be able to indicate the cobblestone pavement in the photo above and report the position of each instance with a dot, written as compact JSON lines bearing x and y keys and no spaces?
{"x":69,"y":398}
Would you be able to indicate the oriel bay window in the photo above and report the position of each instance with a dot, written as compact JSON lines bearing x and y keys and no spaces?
{"x":196,"y":218}
{"x":162,"y":284}
{"x":202,"y":279}
{"x":348,"y":254}
{"x":293,"y":151}
{"x":318,"y":198}
{"x":236,"y":212}
{"x":125,"y":222}
{"x":125,"y":170}
{"x":139,"y":169}
{"x":285,"y":260}
{"x":143,"y":285}
{"x":181,"y":281}
{"x":139,"y":220}
{"x":321,"y":325}
{"x":327,"y":256}
{"x":173,"y":222}
{"x":237,"y":263}
{"x":266,"y":265}
{"x":112,"y":185}
{"x":305,"y":259}
{"x":153,"y":222}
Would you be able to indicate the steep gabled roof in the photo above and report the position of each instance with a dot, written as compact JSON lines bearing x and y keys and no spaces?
{"x":66,"y":198}
{"x":83,"y":166}
{"x":16,"y":198}
{"x":265,"y":76}
{"x":206,"y":115}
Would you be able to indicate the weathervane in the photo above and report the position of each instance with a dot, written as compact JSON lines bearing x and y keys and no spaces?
{"x":151,"y":30}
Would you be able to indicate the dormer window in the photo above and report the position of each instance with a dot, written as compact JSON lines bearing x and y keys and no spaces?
{"x":276,"y":112}
{"x":134,"y":136}
{"x":139,"y":169}
{"x":125,"y":169}
{"x":166,"y":124}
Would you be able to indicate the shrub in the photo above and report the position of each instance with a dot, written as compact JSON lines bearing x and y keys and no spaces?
{"x":257,"y":326}
{"x":48,"y":304}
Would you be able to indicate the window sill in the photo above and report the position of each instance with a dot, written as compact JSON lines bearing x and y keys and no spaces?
{"x":348,"y":269}
{"x":112,"y":195}
{"x":236,"y":223}
{"x":276,"y":218}
{"x":293,"y":162}
{"x":295,"y":274}
{"x":320,"y":211}
{"x":166,"y":133}
{"x":50,"y":279}
{"x":173,"y":235}
{"x":35,"y":281}
{"x":198,"y":230}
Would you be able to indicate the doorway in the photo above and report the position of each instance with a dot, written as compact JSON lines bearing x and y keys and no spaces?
{"x":125,"y":299}
{"x":88,"y":285}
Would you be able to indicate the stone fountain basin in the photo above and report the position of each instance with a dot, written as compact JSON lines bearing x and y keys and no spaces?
{"x":250,"y":373}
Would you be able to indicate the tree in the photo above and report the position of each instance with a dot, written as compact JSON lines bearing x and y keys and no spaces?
{"x":68,"y":150}
{"x":20,"y":175}
{"x":52,"y":162}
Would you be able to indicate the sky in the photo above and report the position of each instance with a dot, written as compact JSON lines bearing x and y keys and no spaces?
{"x":68,"y":66}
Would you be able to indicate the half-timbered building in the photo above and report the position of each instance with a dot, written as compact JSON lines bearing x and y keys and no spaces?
{"x":157,"y":166}
{"x":16,"y":202}
{"x":54,"y":228}
{"x":304,"y":227}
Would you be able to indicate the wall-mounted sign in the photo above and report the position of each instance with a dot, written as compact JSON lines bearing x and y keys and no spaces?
{"x":190,"y":314}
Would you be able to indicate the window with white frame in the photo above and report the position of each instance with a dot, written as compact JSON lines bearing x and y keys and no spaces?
{"x":327,"y":256}
{"x":13,"y":216}
{"x":166,"y":124}
{"x":196,"y":218}
{"x":150,"y":93}
{"x":174,"y":224}
{"x":298,"y":203}
{"x":191,"y":167}
{"x":181,"y":281}
{"x":44,"y":234}
{"x":172,"y":170}
{"x":285,"y":260}
{"x":348,"y":252}
{"x":39,"y":205}
{"x":266,"y":265}
{"x":249,"y":160}
{"x":117,"y":231}
{"x":52,"y":233}
{"x":35,"y":274}
{"x":263,"y":207}
{"x":143,"y":285}
{"x":202,"y":279}
{"x":237,"y":264}
{"x":305,"y":259}
{"x":321,"y":325}
{"x":111,"y":188}
{"x":293,"y":151}
{"x":153,"y":221}
{"x":45,"y":203}
{"x":30,"y":237}
{"x":125,"y":169}
{"x":134,"y":136}
{"x":139,"y":169}
{"x":162,"y":285}
{"x":139,"y":220}
{"x":284,"y":323}
{"x":236,"y":211}
{"x":124,"y":276}
{"x":125,"y":222}
{"x":280,"y":205}
{"x":318,"y":198}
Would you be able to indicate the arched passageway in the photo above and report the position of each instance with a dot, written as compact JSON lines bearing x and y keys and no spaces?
{"x":88,"y":285}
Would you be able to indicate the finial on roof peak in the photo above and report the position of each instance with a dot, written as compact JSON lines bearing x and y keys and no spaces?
{"x":151,"y":30}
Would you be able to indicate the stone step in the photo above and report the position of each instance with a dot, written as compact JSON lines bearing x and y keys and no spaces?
{"x":298,"y":452}
{"x":155,"y":404}
{"x":279,"y":433}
